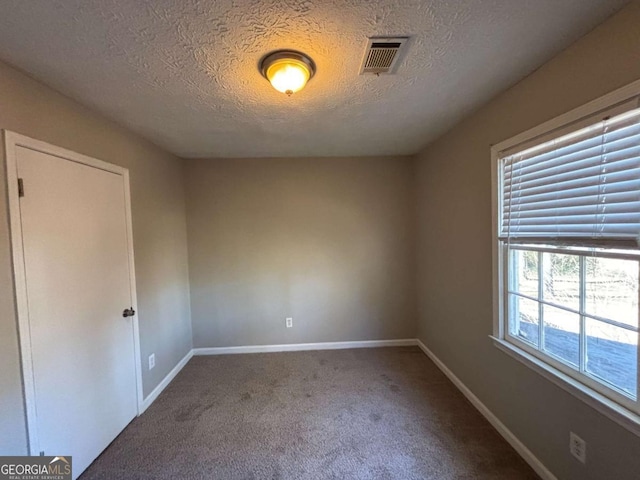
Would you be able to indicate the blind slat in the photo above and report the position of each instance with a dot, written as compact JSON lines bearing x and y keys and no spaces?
{"x":571,"y":189}
{"x":583,"y":185}
{"x":624,"y":203}
{"x":619,"y":181}
{"x":619,"y":158}
{"x":576,"y":216}
{"x":613,"y":140}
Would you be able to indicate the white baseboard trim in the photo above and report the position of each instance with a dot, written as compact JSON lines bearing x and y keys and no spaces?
{"x":519,"y":447}
{"x":296,"y":347}
{"x":146,"y":403}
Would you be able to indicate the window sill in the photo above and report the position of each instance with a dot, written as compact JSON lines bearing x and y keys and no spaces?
{"x":607,"y":407}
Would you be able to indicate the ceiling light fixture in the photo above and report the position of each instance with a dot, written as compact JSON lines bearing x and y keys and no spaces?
{"x":288,"y":71}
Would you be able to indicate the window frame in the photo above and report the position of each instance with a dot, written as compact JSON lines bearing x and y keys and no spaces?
{"x":589,"y":379}
{"x":618,"y":407}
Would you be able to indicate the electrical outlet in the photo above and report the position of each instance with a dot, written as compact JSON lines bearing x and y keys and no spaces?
{"x":152,"y":361}
{"x":289,"y":322}
{"x":577,"y":447}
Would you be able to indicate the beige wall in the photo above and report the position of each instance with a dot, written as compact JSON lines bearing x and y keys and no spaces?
{"x":454,"y":238}
{"x":331,"y":242}
{"x":159,"y":230}
{"x":327,"y":241}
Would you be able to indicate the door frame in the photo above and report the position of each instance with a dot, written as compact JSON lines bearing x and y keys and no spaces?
{"x":12,"y":141}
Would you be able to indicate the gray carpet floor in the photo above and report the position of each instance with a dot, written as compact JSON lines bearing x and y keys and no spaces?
{"x":383,"y":413}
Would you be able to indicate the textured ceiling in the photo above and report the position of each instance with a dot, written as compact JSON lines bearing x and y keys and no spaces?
{"x":184,"y":73}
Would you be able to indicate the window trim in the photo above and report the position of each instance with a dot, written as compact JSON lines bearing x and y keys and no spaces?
{"x":614,"y":409}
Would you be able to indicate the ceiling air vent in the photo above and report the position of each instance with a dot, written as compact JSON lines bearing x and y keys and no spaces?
{"x":381,"y":55}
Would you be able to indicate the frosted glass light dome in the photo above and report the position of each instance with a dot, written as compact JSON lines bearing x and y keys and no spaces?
{"x":287,"y":71}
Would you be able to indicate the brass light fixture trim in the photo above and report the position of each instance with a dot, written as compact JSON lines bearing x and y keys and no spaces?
{"x":288,"y":71}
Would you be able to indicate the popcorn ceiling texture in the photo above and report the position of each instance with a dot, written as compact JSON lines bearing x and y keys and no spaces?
{"x":184,"y":73}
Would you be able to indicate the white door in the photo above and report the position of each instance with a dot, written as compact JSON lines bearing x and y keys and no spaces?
{"x":76,"y":257}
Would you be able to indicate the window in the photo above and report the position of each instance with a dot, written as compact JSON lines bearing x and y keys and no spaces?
{"x":567,"y":250}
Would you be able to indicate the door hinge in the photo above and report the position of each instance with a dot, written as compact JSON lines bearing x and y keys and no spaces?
{"x":20,"y":188}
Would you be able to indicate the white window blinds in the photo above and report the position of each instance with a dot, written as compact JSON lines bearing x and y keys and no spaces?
{"x":584,"y":185}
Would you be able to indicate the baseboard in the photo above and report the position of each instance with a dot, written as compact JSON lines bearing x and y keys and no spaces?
{"x":508,"y":435}
{"x":146,"y":403}
{"x":296,"y":347}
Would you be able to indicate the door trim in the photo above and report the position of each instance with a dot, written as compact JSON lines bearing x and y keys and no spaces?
{"x":12,"y":141}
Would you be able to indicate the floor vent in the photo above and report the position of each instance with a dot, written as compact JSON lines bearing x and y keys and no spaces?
{"x":382,"y":54}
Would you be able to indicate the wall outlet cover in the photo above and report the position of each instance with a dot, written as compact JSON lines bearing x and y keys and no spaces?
{"x":289,"y":322}
{"x":578,"y":447}
{"x":152,"y":361}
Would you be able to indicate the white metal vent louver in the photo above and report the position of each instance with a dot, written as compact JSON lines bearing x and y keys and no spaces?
{"x":381,"y":55}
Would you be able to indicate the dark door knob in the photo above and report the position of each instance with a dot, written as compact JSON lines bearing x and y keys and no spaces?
{"x":128,"y":312}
